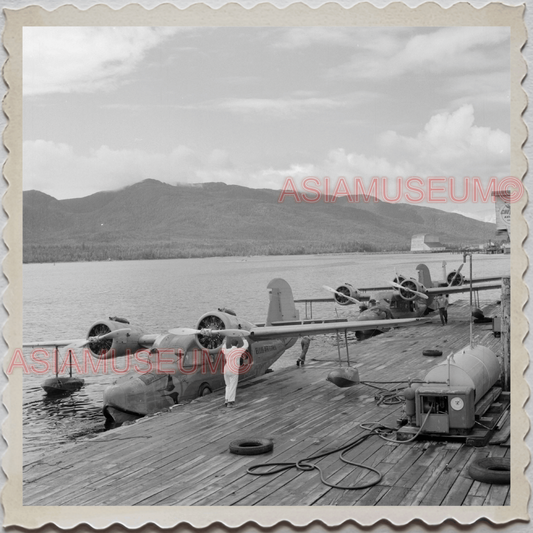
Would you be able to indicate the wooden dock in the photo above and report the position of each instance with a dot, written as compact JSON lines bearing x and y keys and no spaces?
{"x":181,"y":457}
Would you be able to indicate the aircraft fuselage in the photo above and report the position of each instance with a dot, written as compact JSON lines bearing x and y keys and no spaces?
{"x":177,"y":370}
{"x":390,"y":304}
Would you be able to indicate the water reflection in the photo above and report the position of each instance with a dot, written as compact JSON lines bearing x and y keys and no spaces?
{"x":52,"y":420}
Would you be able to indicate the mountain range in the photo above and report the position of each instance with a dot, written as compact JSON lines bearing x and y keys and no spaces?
{"x":151,"y":219}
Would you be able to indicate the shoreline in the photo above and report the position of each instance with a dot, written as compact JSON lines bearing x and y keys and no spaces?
{"x":281,"y":254}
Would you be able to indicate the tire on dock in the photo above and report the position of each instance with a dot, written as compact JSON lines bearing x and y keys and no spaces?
{"x":494,"y":470}
{"x":251,"y":446}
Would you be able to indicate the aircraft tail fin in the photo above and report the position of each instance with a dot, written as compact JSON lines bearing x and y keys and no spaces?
{"x":281,"y":307}
{"x":424,"y":276}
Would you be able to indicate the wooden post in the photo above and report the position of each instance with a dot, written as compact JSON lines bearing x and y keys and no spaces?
{"x":506,"y":332}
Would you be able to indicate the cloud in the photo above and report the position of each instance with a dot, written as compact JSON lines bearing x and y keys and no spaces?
{"x":305,"y":37}
{"x":480,"y":88}
{"x":483,"y":217}
{"x":377,"y":39}
{"x":294,"y":105}
{"x":55,"y":168}
{"x":451,"y":145}
{"x":84,"y":59}
{"x":278,"y":107}
{"x":446,"y":50}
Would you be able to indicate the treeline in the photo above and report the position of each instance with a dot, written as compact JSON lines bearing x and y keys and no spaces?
{"x":64,"y":253}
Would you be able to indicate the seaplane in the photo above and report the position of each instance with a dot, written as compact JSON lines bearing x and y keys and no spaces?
{"x":185,"y":363}
{"x":403,"y":297}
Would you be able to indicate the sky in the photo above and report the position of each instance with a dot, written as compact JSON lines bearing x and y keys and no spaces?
{"x":106,"y":107}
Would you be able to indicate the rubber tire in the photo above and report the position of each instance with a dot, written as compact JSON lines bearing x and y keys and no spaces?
{"x":251,"y":446}
{"x":432,"y":353}
{"x":494,"y":470}
{"x":202,"y":389}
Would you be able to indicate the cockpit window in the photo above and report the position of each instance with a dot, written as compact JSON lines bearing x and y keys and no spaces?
{"x":188,"y":359}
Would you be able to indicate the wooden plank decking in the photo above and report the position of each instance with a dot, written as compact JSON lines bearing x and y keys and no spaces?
{"x":182,"y":458}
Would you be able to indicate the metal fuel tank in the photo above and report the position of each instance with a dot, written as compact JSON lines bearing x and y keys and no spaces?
{"x":476,"y":367}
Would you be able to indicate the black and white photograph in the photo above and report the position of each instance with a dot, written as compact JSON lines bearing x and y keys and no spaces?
{"x":266,"y":265}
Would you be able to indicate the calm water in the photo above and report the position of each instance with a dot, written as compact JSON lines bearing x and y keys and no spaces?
{"x":62,"y":301}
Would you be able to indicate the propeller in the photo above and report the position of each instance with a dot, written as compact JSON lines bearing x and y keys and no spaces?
{"x":80,"y":343}
{"x":402,"y":287}
{"x":210,"y":332}
{"x":456,"y":274}
{"x":342,"y":295}
{"x":99,"y":338}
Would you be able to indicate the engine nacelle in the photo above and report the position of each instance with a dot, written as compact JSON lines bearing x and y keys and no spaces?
{"x":408,"y":286}
{"x":457,"y":278}
{"x":348,"y":290}
{"x":218,"y":320}
{"x":123,"y":343}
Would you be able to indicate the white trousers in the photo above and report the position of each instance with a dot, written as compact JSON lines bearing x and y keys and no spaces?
{"x":231,"y":380}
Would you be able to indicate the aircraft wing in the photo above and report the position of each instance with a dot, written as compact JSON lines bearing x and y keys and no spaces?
{"x":146,"y":340}
{"x":360,"y":297}
{"x":374,"y":289}
{"x":321,"y":328}
{"x":482,"y":280}
{"x":462,"y":288}
{"x":305,"y":300}
{"x":59,"y":344}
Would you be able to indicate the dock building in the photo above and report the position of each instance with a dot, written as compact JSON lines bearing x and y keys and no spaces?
{"x":424,"y":242}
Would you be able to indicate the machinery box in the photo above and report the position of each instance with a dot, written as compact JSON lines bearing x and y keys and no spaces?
{"x":440,"y":409}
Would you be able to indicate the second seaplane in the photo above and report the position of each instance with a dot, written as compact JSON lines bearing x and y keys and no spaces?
{"x":185,"y":363}
{"x":404,"y":297}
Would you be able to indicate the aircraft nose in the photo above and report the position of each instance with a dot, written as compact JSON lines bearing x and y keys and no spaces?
{"x":136,"y":397}
{"x":122,"y":404}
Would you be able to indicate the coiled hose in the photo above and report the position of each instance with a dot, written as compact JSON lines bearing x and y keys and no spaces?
{"x":306,"y":465}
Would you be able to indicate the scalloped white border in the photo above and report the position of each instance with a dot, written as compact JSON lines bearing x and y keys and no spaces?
{"x":295,"y":14}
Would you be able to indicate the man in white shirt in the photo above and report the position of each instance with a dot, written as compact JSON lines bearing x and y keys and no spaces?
{"x":232,"y":367}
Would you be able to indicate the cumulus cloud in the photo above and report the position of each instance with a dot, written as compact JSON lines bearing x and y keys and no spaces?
{"x":451,"y":144}
{"x":83,"y":59}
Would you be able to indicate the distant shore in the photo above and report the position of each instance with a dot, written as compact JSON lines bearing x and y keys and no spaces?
{"x":68,"y":253}
{"x":99,"y":252}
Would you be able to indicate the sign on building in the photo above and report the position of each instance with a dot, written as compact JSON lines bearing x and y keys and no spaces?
{"x":503,"y":211}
